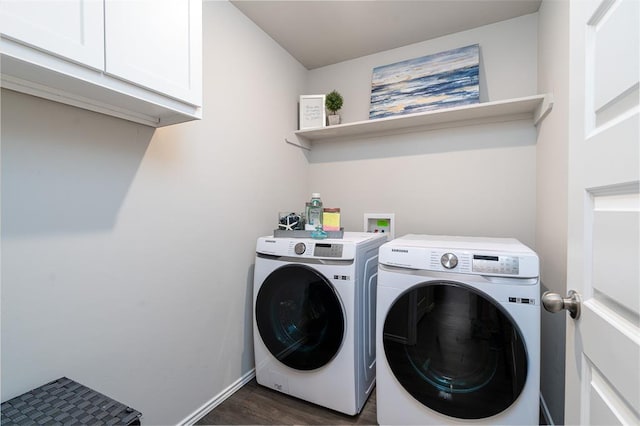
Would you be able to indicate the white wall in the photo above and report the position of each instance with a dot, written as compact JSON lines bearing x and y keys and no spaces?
{"x":476,"y":180}
{"x":127,"y":253}
{"x":552,"y":192}
{"x":508,"y":62}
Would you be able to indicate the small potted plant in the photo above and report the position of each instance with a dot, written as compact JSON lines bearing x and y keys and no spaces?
{"x":333,"y":102}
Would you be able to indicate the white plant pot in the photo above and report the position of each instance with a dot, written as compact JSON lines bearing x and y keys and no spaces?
{"x":334,"y":119}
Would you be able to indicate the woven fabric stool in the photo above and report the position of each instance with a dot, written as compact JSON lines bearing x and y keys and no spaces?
{"x":65,"y":402}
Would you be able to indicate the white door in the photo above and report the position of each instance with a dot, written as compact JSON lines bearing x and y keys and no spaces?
{"x":603,"y":344}
{"x":72,"y":29}
{"x":156,"y":44}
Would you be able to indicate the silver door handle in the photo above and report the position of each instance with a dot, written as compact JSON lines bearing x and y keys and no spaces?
{"x":553,"y":302}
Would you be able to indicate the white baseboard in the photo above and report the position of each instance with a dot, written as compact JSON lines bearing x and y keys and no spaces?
{"x":192,"y":418}
{"x":545,"y":412}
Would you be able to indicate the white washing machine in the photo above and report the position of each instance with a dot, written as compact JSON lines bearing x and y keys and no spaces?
{"x":314,"y":307}
{"x":458,"y":331}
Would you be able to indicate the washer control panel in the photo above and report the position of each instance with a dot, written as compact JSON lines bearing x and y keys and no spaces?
{"x":309,"y":248}
{"x":507,"y":265}
{"x":323,"y":250}
{"x":489,"y":257}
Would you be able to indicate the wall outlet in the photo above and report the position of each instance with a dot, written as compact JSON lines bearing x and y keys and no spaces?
{"x":383,"y":223}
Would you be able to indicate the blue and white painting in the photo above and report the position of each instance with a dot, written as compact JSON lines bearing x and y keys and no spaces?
{"x":442,"y":80}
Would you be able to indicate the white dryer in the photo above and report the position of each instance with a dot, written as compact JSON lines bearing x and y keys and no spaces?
{"x":458,"y":331}
{"x":314,"y":318}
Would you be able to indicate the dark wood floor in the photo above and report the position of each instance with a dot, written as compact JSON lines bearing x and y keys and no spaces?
{"x":257,"y":405}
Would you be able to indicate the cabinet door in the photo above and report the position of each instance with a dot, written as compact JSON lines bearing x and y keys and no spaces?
{"x":71,"y":29}
{"x":156,"y":44}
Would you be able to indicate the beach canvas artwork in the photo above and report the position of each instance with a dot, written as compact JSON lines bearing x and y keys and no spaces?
{"x":442,"y":80}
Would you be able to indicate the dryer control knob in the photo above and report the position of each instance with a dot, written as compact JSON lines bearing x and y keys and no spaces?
{"x":299,"y":248}
{"x":449,"y":260}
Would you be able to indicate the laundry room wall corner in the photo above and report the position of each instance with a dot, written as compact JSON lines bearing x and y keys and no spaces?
{"x":552,"y":194}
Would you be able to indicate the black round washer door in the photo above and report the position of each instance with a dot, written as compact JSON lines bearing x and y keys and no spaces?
{"x":454,"y":350}
{"x":299,"y":317}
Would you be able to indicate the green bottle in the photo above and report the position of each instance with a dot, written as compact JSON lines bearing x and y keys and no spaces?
{"x":314,"y":213}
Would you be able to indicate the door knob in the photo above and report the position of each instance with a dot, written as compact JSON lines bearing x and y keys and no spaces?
{"x":553,"y":302}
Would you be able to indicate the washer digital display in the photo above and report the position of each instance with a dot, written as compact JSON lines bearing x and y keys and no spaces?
{"x":507,"y":265}
{"x":327,"y":250}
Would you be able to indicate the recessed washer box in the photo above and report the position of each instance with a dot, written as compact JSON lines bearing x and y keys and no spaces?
{"x":380,"y":222}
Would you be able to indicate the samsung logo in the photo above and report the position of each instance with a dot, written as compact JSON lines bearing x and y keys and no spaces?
{"x":400,"y":250}
{"x":269,"y":241}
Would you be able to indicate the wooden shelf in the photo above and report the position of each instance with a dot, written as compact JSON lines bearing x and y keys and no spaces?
{"x":531,"y":107}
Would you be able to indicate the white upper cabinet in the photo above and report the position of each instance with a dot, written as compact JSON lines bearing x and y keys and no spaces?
{"x":140,"y":60}
{"x":162,"y":53}
{"x":72,"y":29}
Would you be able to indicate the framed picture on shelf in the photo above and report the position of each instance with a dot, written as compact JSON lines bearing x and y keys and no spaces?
{"x":312,"y":113}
